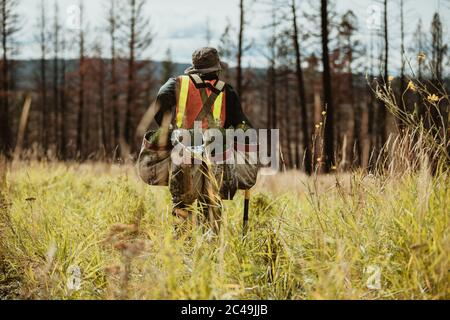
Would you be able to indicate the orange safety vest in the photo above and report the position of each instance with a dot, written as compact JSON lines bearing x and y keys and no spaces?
{"x":189,"y":103}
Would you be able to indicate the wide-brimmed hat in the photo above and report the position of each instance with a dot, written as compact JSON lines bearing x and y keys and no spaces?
{"x":204,"y":61}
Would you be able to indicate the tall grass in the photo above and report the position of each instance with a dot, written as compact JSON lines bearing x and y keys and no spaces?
{"x":343,"y":236}
{"x":422,"y":113}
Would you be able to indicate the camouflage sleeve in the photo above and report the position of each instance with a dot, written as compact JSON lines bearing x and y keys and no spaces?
{"x":235,"y":115}
{"x":166,"y":100}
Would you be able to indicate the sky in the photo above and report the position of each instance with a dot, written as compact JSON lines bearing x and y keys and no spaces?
{"x":181,"y":24}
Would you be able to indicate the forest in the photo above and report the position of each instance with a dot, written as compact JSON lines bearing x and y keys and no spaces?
{"x":89,"y":106}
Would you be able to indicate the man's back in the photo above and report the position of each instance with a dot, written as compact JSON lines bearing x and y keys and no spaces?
{"x":167,"y":102}
{"x":198,"y":96}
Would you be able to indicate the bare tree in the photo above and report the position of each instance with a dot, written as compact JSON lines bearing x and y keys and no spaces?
{"x":402,"y":48}
{"x":351,"y":50}
{"x":63,"y":101}
{"x":100,"y":79}
{"x":438,"y":49}
{"x":56,"y":48}
{"x":226,"y":48}
{"x":138,"y":38}
{"x":226,"y":43}
{"x":328,"y":95}
{"x":419,"y":47}
{"x":382,"y":114}
{"x":439,"y":115}
{"x":368,"y":127}
{"x":10,"y":25}
{"x":240,"y":48}
{"x":302,"y":97}
{"x":272,"y":96}
{"x":43,"y":91}
{"x":286,"y":117}
{"x":113,"y":27}
{"x":81,"y":84}
{"x":168,"y":68}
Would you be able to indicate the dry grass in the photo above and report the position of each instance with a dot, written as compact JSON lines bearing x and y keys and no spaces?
{"x":310,"y":238}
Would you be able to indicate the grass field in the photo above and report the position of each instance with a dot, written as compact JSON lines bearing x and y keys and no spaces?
{"x":97,"y":232}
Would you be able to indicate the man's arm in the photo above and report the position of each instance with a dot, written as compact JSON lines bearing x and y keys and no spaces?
{"x":166,"y":100}
{"x":235,"y":115}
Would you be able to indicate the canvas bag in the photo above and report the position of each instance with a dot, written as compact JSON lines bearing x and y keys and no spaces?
{"x":246,"y":163}
{"x":154,"y":160}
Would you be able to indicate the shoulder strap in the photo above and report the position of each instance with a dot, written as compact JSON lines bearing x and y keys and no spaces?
{"x":208,"y":102}
{"x":197,"y":80}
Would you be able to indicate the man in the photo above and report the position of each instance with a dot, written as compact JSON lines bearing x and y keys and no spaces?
{"x":201,"y":96}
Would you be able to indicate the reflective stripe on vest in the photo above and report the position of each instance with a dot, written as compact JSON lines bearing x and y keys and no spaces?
{"x":218,"y":107}
{"x":183,"y":97}
{"x":184,"y":90}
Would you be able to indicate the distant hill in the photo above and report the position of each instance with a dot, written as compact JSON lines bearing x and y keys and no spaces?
{"x":27,"y":71}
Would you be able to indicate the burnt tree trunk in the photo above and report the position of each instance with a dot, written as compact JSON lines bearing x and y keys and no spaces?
{"x":81,"y":87}
{"x":131,"y":77}
{"x":101,"y":89}
{"x":240,"y":49}
{"x":113,"y":27}
{"x":382,"y":108}
{"x":56,"y":110}
{"x":329,"y":132}
{"x":43,"y":80}
{"x":302,"y":98}
{"x":402,"y":70}
{"x":63,"y":105}
{"x":5,"y":133}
